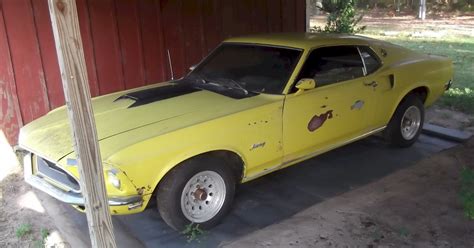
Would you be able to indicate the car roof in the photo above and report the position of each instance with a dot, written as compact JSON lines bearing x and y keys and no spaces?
{"x":304,"y":40}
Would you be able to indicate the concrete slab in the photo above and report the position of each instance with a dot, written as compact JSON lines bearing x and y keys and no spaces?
{"x":73,"y":225}
{"x":280,"y":195}
{"x":446,"y":133}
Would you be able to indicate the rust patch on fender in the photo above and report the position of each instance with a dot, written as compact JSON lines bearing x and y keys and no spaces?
{"x":318,"y":120}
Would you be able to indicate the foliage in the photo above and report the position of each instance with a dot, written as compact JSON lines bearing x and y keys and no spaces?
{"x":467,"y":192}
{"x":23,"y":230}
{"x":42,"y":241}
{"x":460,"y":99}
{"x":26,"y":229}
{"x":463,"y":5}
{"x":193,"y":233}
{"x":44,"y":233}
{"x":342,"y":17}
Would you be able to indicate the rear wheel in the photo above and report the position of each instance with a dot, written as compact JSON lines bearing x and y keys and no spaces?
{"x":198,"y":191}
{"x":405,"y":126}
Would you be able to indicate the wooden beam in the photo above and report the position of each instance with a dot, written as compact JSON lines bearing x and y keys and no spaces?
{"x":78,"y":100}
{"x":308,"y":15}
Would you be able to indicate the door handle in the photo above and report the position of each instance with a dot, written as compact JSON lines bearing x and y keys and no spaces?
{"x":373,"y":84}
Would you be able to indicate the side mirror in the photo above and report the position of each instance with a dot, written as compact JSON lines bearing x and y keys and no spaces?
{"x":305,"y":84}
{"x":191,"y":68}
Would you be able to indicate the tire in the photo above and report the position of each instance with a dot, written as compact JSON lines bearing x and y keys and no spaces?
{"x":406,"y":123}
{"x":179,"y":204}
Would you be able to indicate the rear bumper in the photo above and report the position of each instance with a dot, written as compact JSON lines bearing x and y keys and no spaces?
{"x":70,"y":197}
{"x":448,"y":85}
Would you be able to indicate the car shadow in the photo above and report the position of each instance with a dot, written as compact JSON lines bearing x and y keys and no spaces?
{"x":279,"y":195}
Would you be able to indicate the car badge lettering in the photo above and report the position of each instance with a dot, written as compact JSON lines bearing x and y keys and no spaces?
{"x":258,"y":145}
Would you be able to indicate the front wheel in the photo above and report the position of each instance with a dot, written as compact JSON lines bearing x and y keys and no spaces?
{"x":406,"y":123}
{"x":198,"y":191}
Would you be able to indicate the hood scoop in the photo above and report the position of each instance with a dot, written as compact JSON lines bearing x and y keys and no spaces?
{"x":147,"y":96}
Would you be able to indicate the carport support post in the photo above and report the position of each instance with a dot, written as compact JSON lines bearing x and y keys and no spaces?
{"x":308,"y":15}
{"x":72,"y":65}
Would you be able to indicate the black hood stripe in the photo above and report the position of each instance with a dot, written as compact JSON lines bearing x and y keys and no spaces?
{"x":147,"y":96}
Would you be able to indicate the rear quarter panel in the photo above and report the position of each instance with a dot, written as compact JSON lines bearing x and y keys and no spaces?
{"x":410,"y":70}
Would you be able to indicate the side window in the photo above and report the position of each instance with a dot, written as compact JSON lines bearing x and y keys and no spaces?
{"x":328,"y":65}
{"x":372,"y":62}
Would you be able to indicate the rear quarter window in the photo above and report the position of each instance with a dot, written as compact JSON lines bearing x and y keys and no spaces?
{"x":371,"y":60}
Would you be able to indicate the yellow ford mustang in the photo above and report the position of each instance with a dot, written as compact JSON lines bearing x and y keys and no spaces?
{"x":254,"y":105}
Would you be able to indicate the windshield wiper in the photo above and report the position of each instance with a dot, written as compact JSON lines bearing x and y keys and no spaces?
{"x":232,"y":84}
{"x":218,"y":82}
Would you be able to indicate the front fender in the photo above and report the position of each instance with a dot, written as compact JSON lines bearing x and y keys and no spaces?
{"x":146,"y":162}
{"x":185,"y":155}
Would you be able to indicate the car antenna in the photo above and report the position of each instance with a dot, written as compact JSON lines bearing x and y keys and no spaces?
{"x":171,"y":65}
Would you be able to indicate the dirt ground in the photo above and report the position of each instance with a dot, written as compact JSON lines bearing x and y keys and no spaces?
{"x":449,"y":118}
{"x":19,"y":206}
{"x":414,"y":207}
{"x":389,"y":24}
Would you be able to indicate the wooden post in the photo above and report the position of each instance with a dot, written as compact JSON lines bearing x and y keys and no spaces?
{"x":308,"y":15}
{"x":72,"y":65}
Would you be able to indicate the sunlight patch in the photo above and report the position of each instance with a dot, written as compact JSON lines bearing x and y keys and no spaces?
{"x":55,"y":240}
{"x":30,"y":201}
{"x":8,"y":160}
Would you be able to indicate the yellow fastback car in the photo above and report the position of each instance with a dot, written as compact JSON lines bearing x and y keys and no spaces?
{"x":255,"y":105}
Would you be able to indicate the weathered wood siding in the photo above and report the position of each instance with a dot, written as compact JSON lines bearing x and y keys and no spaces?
{"x":125,"y":45}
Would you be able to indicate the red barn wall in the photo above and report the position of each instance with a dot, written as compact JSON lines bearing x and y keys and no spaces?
{"x":125,"y":45}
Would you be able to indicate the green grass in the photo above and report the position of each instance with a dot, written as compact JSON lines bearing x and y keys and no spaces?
{"x":467,"y":192}
{"x":461,"y":99}
{"x":39,"y":243}
{"x":460,"y":49}
{"x":192,"y":233}
{"x":26,"y":229}
{"x":23,"y":230}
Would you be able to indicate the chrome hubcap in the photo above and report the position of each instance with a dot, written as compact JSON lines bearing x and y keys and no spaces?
{"x":410,"y":122}
{"x":203,"y":196}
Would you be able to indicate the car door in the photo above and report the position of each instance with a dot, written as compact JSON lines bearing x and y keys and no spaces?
{"x":337,"y":110}
{"x":381,"y":83}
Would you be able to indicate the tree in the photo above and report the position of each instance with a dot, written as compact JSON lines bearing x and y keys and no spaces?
{"x":342,"y":17}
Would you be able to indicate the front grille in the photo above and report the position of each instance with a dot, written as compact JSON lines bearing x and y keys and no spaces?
{"x":53,"y":172}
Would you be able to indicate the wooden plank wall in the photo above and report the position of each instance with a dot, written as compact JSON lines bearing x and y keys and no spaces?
{"x":125,"y":45}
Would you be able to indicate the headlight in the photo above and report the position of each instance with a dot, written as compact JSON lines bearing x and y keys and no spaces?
{"x":113,"y":179}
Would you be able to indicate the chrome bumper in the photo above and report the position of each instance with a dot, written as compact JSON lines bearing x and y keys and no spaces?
{"x":71,"y":197}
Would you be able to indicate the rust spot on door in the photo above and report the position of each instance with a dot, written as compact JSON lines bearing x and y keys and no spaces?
{"x":318,"y":120}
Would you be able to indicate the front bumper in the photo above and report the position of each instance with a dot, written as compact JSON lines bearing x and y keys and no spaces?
{"x":70,"y":197}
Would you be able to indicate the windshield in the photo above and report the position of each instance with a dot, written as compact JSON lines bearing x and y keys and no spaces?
{"x":255,"y":68}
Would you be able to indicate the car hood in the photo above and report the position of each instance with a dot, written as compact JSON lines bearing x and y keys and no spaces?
{"x":50,"y":135}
